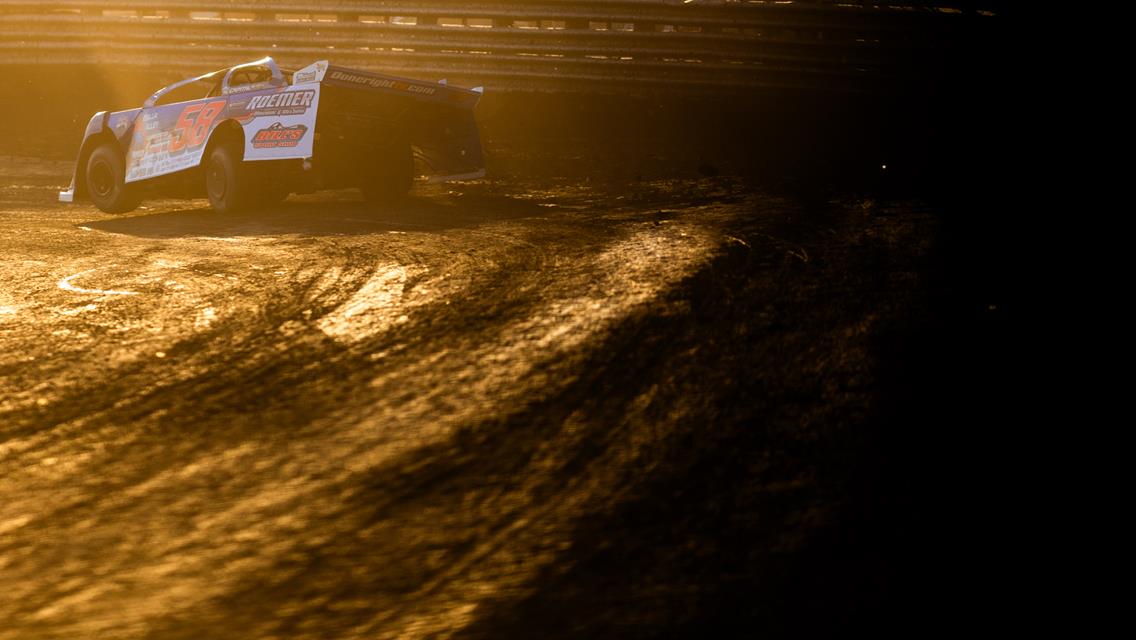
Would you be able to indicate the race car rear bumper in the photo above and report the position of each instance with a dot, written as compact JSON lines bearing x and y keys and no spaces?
{"x":67,"y":196}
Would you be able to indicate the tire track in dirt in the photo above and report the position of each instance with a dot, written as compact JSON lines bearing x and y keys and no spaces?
{"x":271,"y":363}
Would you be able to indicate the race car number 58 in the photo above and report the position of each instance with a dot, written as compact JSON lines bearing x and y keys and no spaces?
{"x":194,"y":123}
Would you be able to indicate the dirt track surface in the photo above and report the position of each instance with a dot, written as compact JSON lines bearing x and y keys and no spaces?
{"x":323,"y":421}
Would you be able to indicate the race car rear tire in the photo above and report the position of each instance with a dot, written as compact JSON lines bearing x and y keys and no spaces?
{"x":105,"y":176}
{"x":391,"y":177}
{"x":229,"y":186}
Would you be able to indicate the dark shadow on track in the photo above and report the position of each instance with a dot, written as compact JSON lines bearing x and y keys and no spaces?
{"x":712,"y":536}
{"x":433,"y":513}
{"x":728,"y":534}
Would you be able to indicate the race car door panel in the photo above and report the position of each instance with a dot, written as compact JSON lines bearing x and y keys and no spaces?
{"x":171,"y":137}
{"x":279,"y":123}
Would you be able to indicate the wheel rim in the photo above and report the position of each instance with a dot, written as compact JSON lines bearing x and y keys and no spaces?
{"x":216,"y":182}
{"x":101,"y":178}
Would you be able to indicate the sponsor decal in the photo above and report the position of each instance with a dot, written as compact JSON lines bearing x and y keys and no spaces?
{"x":193,"y":124}
{"x":277,"y":135}
{"x":382,"y":83}
{"x":250,"y":86}
{"x":295,"y":102}
{"x":157,"y":143}
{"x":310,"y":74}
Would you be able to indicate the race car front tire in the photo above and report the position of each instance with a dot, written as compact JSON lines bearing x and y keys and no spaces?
{"x":105,"y":176}
{"x":227,"y":183}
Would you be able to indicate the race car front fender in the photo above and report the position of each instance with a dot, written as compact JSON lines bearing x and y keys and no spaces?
{"x":119,"y":125}
{"x":95,"y":127}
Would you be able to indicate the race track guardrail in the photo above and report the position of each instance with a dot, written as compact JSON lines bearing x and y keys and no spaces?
{"x":540,"y":45}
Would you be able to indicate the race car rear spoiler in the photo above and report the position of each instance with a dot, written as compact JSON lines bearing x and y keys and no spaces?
{"x":442,"y":93}
{"x":441,"y":124}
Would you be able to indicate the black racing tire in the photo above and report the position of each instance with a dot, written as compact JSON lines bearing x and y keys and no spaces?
{"x":105,"y":176}
{"x":391,"y":177}
{"x":229,"y":186}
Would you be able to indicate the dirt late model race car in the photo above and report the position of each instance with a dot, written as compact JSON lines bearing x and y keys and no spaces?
{"x":252,"y":134}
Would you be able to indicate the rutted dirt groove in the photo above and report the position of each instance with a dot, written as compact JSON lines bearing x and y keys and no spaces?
{"x":324,"y":421}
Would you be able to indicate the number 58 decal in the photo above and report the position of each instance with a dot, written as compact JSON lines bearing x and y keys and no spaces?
{"x":194,"y":123}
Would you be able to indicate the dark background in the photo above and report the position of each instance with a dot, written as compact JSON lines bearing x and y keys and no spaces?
{"x":924,"y":540}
